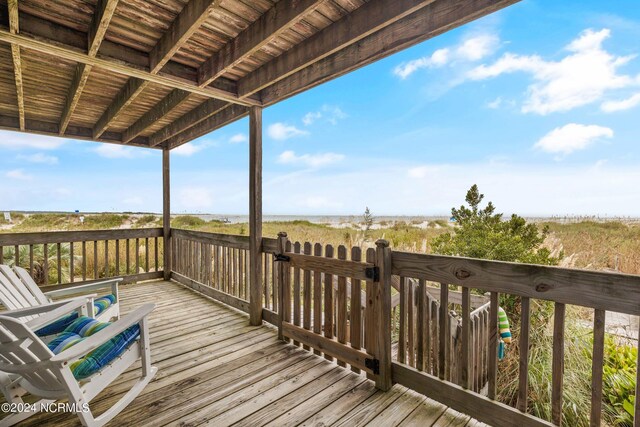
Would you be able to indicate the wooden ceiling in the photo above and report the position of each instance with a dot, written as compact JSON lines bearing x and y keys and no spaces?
{"x":160,"y":73}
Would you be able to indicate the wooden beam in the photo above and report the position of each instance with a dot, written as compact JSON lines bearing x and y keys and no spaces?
{"x":271,"y":24}
{"x":224,"y":117}
{"x":175,"y":98}
{"x":97,"y":30}
{"x":75,"y":132}
{"x":187,"y":22}
{"x":192,"y":118}
{"x":124,"y":69}
{"x":255,"y":216}
{"x":166,"y":212}
{"x":433,"y":20}
{"x":365,"y":20}
{"x":14,"y":27}
{"x":192,"y":16}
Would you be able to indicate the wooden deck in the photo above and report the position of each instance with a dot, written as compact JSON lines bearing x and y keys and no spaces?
{"x":214,"y":369}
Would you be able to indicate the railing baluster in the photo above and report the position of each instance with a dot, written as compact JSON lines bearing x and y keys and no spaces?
{"x":466,"y":311}
{"x":443,"y":329}
{"x":117,"y":257}
{"x":636,"y":419}
{"x":306,"y":278}
{"x":370,"y":332}
{"x":523,"y":375}
{"x":296,"y":291}
{"x":106,"y":258}
{"x":341,"y":306}
{"x":317,"y":296}
{"x":492,"y":349}
{"x":72,"y":269}
{"x":58,"y":247}
{"x":128,"y":256}
{"x":328,"y":301}
{"x":84,"y":260}
{"x":137,"y":255}
{"x":46,"y":264}
{"x":146,"y":254}
{"x":355,"y":319}
{"x":421,"y":325}
{"x":1,"y":254}
{"x":410,"y":289}
{"x":599,"y":317}
{"x":31,"y":259}
{"x":16,"y":254}
{"x":95,"y":259}
{"x":402,"y":327}
{"x":557,"y":374}
{"x":155,"y":254}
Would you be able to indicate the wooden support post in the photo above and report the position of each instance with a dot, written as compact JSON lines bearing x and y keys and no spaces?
{"x":166,"y":212}
{"x":255,"y":215}
{"x":382,"y":312}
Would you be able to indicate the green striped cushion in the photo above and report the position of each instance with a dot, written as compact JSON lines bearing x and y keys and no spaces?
{"x":99,"y":305}
{"x":93,"y":362}
{"x":503,"y":326}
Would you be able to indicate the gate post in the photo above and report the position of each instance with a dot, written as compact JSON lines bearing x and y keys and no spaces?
{"x":382,"y":301}
{"x":282,"y":268}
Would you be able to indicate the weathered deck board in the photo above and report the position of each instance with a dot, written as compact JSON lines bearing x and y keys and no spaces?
{"x":214,"y":369}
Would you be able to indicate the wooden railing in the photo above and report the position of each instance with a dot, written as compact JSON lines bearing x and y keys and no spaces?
{"x":61,"y":258}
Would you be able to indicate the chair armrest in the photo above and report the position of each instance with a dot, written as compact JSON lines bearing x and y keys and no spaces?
{"x":59,"y":307}
{"x":104,"y":335}
{"x":87,"y":287}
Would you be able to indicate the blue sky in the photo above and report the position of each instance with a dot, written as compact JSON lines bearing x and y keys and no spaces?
{"x":538,"y":104}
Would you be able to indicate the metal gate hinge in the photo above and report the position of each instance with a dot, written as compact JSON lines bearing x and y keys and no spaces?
{"x":281,"y":257}
{"x":372,"y":273}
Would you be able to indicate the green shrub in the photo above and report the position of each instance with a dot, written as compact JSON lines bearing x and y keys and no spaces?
{"x":187,"y":221}
{"x":147,"y":219}
{"x":619,"y":382}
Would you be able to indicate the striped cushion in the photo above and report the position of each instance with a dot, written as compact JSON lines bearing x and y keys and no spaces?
{"x":503,"y":326}
{"x":99,"y":305}
{"x":93,"y":362}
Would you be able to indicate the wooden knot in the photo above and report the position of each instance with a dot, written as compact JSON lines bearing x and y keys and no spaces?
{"x":543,"y":287}
{"x":462,"y":274}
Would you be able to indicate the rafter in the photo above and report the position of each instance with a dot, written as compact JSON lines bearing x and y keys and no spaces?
{"x":175,"y":98}
{"x":224,"y":117}
{"x":202,"y":112}
{"x":17,"y":61}
{"x":367,"y":19}
{"x":186,"y":23}
{"x":97,"y":30}
{"x":276,"y":20}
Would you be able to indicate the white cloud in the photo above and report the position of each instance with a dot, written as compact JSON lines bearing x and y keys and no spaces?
{"x":495,"y":104}
{"x":331,"y":113}
{"x":188,"y":149}
{"x":572,"y":137}
{"x":420,"y":171}
{"x":280,"y":131}
{"x":19,"y":141}
{"x":471,"y":49}
{"x":113,"y":151}
{"x":580,"y":78}
{"x":238,"y":138}
{"x":311,"y":117}
{"x":624,"y":104}
{"x":39,"y":158}
{"x":310,"y":160}
{"x":18,"y":174}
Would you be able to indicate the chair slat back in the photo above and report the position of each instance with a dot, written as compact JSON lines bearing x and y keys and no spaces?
{"x":31,"y":285}
{"x":10,"y":297}
{"x":23,"y":353}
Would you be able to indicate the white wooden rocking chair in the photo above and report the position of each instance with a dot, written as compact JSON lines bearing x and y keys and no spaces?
{"x":18,"y":290}
{"x":35,"y":369}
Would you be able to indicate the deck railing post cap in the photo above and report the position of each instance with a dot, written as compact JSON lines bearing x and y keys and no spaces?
{"x":382,"y":243}
{"x":282,"y":234}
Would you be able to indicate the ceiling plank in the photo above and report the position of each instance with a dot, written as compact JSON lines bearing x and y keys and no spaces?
{"x":17,"y":61}
{"x":433,"y":20}
{"x":192,"y":16}
{"x":186,"y":23}
{"x":224,"y":117}
{"x":124,"y":69}
{"x":280,"y":17}
{"x":97,"y":30}
{"x":175,"y":98}
{"x":193,"y":117}
{"x":363,"y":21}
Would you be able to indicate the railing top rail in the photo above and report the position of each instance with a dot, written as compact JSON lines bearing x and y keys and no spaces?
{"x":12,"y":239}
{"x":601,"y":290}
{"x":230,"y":240}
